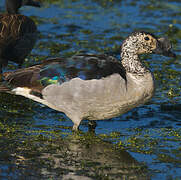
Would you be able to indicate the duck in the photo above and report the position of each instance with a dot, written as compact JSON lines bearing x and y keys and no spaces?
{"x":18,"y":33}
{"x":91,"y":86}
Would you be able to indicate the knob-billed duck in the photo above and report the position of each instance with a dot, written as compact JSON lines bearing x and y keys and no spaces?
{"x":92,"y":87}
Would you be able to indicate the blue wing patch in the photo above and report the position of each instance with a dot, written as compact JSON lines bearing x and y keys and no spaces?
{"x":52,"y":74}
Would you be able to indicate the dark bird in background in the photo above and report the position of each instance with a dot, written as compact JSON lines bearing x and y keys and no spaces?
{"x":18,"y":33}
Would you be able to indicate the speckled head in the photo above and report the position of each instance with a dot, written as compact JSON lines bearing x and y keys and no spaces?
{"x":141,"y":42}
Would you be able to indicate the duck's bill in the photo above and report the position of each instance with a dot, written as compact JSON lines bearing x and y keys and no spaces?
{"x":164,"y":47}
{"x":31,"y":3}
{"x":169,"y":53}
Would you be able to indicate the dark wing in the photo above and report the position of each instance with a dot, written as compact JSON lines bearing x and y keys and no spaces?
{"x":90,"y":66}
{"x":59,"y":70}
{"x":32,"y":77}
{"x":27,"y":77}
{"x":83,"y":66}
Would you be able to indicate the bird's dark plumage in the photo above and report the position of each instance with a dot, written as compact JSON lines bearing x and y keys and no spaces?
{"x":18,"y":33}
{"x":59,"y":70}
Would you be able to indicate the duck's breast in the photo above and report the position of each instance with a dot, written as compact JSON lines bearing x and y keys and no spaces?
{"x":139,"y":88}
{"x":93,"y":99}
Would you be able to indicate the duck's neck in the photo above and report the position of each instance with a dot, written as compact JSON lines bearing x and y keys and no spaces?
{"x":132,"y":63}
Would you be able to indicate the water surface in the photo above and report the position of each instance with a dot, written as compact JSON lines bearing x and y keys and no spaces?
{"x":37,"y":142}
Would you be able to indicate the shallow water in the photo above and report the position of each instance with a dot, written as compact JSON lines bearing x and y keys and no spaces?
{"x":37,"y":142}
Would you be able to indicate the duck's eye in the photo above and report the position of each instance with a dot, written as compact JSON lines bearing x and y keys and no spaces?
{"x":147,"y":38}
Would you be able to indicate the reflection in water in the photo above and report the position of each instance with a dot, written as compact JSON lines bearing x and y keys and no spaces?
{"x":78,"y":157}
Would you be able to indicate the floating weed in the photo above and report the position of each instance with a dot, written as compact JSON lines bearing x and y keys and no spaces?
{"x":144,"y":142}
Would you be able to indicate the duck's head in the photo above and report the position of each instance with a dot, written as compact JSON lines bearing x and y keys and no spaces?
{"x":12,"y":6}
{"x":144,"y":43}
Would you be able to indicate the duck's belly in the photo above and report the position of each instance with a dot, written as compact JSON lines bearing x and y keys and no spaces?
{"x":97,"y":99}
{"x":122,"y":99}
{"x":113,"y":110}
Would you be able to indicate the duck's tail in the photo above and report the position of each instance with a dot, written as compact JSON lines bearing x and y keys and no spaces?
{"x":3,"y":88}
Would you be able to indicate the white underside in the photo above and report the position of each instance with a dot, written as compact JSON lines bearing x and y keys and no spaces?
{"x":26,"y":93}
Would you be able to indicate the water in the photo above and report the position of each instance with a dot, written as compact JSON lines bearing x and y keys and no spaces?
{"x":37,"y":142}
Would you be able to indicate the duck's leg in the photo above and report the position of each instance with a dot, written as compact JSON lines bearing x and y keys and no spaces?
{"x":76,"y":119}
{"x":75,"y":127}
{"x":92,"y":126}
{"x":76,"y":122}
